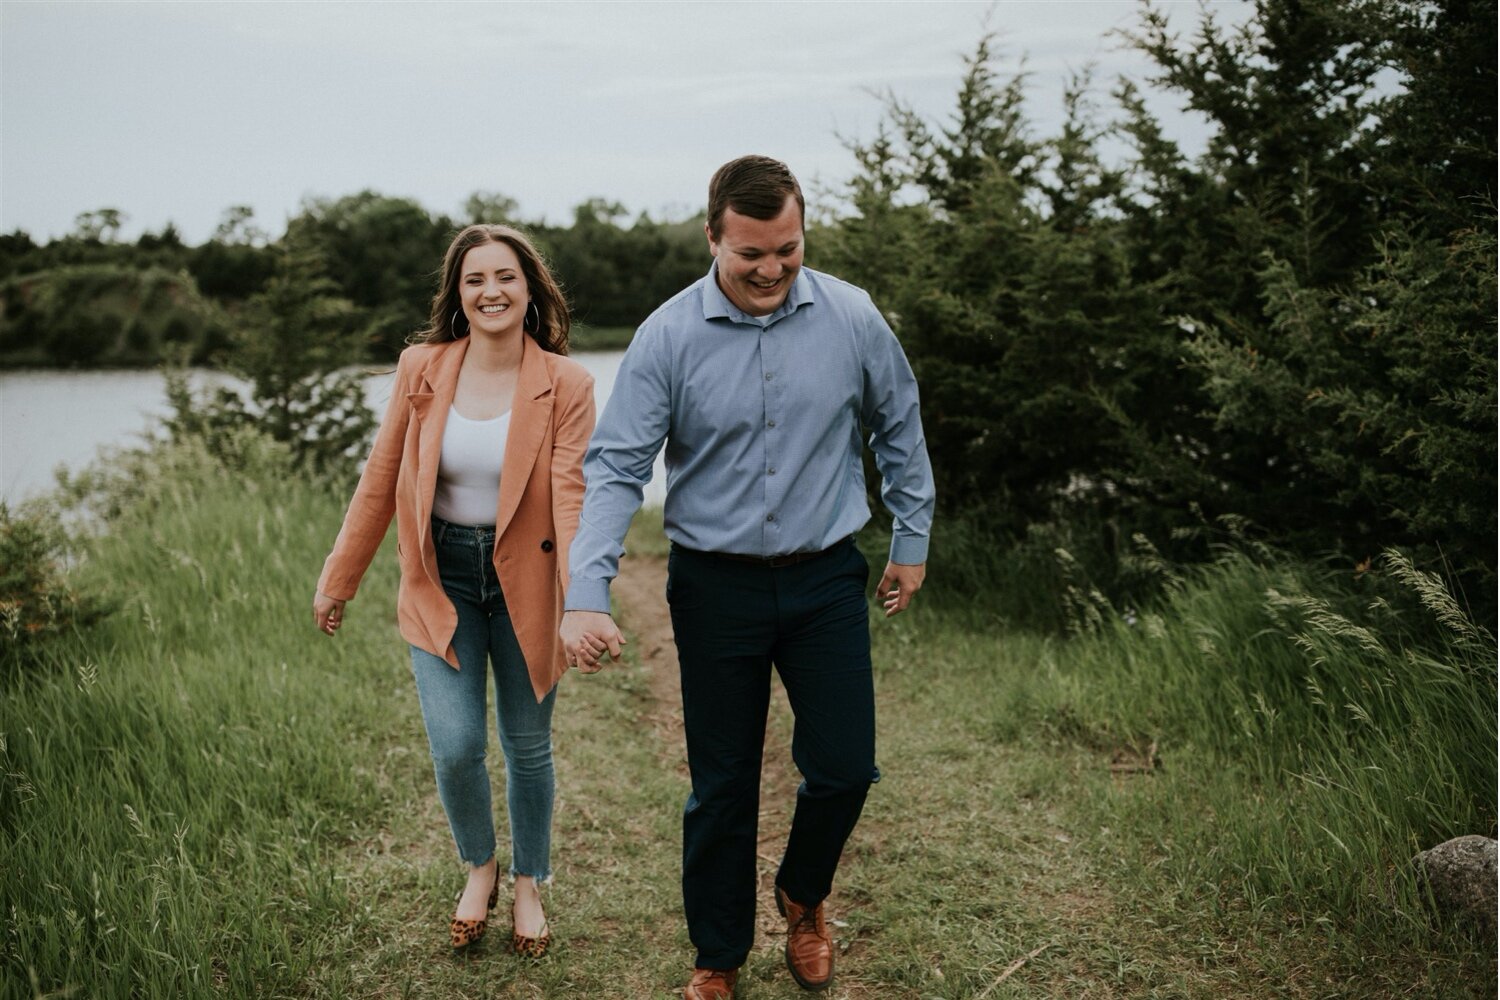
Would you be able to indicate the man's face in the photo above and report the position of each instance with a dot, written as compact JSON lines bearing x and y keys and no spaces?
{"x":758,"y":258}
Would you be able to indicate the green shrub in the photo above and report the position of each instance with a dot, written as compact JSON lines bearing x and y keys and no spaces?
{"x":37,"y":603}
{"x":322,"y":420}
{"x":292,"y":343}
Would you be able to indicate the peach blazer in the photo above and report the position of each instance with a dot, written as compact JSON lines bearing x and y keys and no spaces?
{"x":536,"y":515}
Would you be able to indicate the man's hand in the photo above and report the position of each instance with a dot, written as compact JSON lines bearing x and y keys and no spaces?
{"x":586,"y":636}
{"x":898,"y":584}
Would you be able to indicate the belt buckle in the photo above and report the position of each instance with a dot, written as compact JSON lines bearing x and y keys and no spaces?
{"x":790,"y":559}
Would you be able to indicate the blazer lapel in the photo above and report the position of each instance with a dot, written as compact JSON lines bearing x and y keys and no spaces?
{"x":430,"y":405}
{"x":530,"y":415}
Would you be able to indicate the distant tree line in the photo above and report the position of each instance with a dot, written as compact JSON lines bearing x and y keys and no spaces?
{"x":1290,"y":337}
{"x":90,"y":299}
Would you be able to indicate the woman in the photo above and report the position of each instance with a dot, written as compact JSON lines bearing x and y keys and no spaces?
{"x":479,"y":457}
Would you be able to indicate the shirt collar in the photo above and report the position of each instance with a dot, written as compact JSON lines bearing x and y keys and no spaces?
{"x":716,"y":304}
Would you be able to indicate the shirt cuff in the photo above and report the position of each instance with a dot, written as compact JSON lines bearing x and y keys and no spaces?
{"x":908,"y":550}
{"x":587,"y":595}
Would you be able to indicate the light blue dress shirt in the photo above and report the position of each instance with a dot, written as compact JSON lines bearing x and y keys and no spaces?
{"x":761,"y":420}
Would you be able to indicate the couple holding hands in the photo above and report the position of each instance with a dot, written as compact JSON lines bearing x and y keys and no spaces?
{"x":512,"y":508}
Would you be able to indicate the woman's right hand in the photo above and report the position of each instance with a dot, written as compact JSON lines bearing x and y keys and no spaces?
{"x":328,"y":613}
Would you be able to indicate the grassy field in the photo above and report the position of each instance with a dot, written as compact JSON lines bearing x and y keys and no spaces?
{"x":204,"y":797}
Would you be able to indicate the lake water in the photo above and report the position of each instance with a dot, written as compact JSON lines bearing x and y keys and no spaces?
{"x":63,"y":418}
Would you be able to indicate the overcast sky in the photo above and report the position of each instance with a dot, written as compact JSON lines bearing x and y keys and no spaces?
{"x":176,"y":111}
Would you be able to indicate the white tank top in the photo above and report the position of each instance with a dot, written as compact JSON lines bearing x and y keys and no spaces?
{"x":468,"y":482}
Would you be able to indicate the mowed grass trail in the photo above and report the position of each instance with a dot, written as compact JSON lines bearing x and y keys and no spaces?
{"x":206,"y":798}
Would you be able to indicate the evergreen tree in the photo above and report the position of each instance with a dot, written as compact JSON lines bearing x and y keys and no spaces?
{"x":384,"y":255}
{"x":1009,"y":288}
{"x":1328,"y":263}
{"x":294,"y":344}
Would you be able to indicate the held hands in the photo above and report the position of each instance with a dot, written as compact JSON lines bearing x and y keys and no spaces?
{"x":328,"y":613}
{"x":586,"y":636}
{"x":898,"y":584}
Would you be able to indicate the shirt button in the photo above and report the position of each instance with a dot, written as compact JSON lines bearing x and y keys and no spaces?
{"x":769,"y":376}
{"x":770,"y":472}
{"x":770,"y":423}
{"x":770,"y":517}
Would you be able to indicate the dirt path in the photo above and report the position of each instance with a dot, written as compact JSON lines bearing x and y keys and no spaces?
{"x":640,"y":590}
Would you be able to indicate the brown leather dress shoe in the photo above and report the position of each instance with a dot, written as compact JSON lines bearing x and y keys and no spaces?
{"x":809,"y":947}
{"x":711,"y":984}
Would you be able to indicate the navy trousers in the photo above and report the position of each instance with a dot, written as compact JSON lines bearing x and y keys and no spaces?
{"x":733,"y":622}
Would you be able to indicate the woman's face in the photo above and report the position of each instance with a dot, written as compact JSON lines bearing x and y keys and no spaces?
{"x":493,"y":290}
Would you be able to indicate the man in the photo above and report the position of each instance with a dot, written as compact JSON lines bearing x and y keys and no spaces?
{"x":758,"y":378}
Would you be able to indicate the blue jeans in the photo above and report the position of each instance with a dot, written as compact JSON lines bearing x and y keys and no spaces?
{"x":453,"y":704}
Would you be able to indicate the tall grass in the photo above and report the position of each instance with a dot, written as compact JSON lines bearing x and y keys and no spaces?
{"x":203,"y":797}
{"x":1325,"y":729}
{"x":172,"y":784}
{"x":1377,"y":733}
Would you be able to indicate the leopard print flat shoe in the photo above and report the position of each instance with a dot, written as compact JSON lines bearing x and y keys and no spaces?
{"x":465,"y":932}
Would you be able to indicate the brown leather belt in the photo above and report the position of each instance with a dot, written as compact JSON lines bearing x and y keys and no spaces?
{"x":776,"y":562}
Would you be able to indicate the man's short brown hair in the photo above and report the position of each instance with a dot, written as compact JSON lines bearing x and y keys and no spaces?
{"x":756,"y":186}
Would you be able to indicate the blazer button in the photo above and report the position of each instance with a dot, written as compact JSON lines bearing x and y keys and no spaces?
{"x":546,"y":545}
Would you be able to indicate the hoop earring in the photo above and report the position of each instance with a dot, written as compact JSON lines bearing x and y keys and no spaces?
{"x":531,"y":310}
{"x":453,"y":325}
